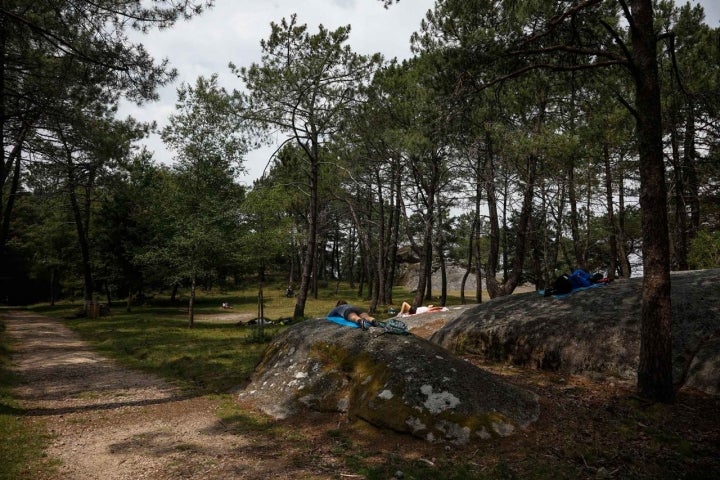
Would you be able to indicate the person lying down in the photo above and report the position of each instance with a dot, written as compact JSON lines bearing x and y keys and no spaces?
{"x":407,"y":309}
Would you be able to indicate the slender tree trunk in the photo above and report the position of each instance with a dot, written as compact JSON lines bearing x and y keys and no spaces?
{"x":476,"y":237}
{"x":52,"y":285}
{"x":441,"y":252}
{"x":443,"y":278}
{"x":494,"y":248}
{"x":12,"y":163}
{"x":612,"y":238}
{"x":394,"y":233}
{"x":574,"y":216}
{"x":655,"y":367}
{"x":692,"y":191}
{"x":352,"y":242}
{"x":559,"y":225}
{"x":428,"y":184}
{"x":82,"y":232}
{"x":15,"y":155}
{"x":478,"y":271}
{"x":623,"y":254}
{"x":108,"y":297}
{"x":425,"y":269}
{"x":382,"y":246}
{"x":681,"y":237}
{"x":308,"y":265}
{"x":544,"y":277}
{"x":470,"y":251}
{"x":505,"y":247}
{"x":191,"y":301}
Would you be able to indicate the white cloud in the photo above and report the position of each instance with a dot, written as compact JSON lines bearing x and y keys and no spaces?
{"x":232,"y":30}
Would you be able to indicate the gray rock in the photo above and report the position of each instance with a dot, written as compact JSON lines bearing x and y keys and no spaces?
{"x":595,"y":331}
{"x":403,"y":383}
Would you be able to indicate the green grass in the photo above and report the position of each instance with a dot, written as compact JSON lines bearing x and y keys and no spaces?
{"x":212,"y":358}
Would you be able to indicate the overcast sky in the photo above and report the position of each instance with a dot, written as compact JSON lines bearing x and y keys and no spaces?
{"x":231,"y":32}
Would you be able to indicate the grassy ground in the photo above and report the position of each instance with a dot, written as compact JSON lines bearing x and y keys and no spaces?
{"x":587,"y":429}
{"x":214,"y":356}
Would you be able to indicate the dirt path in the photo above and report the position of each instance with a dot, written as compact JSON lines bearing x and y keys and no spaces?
{"x":110,"y":423}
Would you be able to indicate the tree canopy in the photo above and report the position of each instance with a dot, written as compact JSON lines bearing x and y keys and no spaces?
{"x":521,"y":141}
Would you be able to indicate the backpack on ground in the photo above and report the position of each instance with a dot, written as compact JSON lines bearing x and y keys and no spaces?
{"x":395,"y":327}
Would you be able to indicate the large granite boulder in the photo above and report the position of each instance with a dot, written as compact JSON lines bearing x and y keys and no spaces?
{"x":595,"y":331}
{"x":400,"y":382}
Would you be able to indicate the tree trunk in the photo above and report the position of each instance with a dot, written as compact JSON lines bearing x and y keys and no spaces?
{"x":475,"y":238}
{"x":612,"y":236}
{"x":470,"y":251}
{"x":692,"y":191}
{"x":52,"y":285}
{"x":12,"y":163}
{"x":574,"y":216}
{"x":623,"y":254}
{"x":425,"y":266}
{"x":394,"y":234}
{"x":191,"y":301}
{"x":680,"y":237}
{"x":655,"y":366}
{"x":443,"y":279}
{"x":82,"y":232}
{"x":308,"y":264}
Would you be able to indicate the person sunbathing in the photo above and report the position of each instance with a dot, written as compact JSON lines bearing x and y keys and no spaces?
{"x":353,"y":314}
{"x":407,"y":309}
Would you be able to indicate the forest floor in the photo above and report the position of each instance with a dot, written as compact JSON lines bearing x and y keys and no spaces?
{"x":109,"y":422}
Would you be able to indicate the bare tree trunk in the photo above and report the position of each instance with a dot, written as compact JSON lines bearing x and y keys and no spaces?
{"x":690,"y":171}
{"x":309,"y":263}
{"x":681,"y":237}
{"x":191,"y":301}
{"x":13,"y":163}
{"x":612,"y":239}
{"x":394,"y":234}
{"x":623,"y":254}
{"x":470,"y":251}
{"x":83,"y":240}
{"x":574,"y":216}
{"x":655,"y":367}
{"x":441,"y":252}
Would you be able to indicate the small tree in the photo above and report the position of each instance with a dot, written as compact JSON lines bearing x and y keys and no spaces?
{"x":202,"y":197}
{"x":304,"y":87}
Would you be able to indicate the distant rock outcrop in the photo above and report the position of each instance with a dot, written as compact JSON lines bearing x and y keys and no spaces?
{"x":595,"y":331}
{"x":403,"y":383}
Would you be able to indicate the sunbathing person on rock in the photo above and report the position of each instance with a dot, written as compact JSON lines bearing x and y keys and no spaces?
{"x":407,"y":309}
{"x":353,"y":314}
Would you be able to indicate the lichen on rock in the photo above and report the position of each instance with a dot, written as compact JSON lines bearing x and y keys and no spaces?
{"x":403,"y":383}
